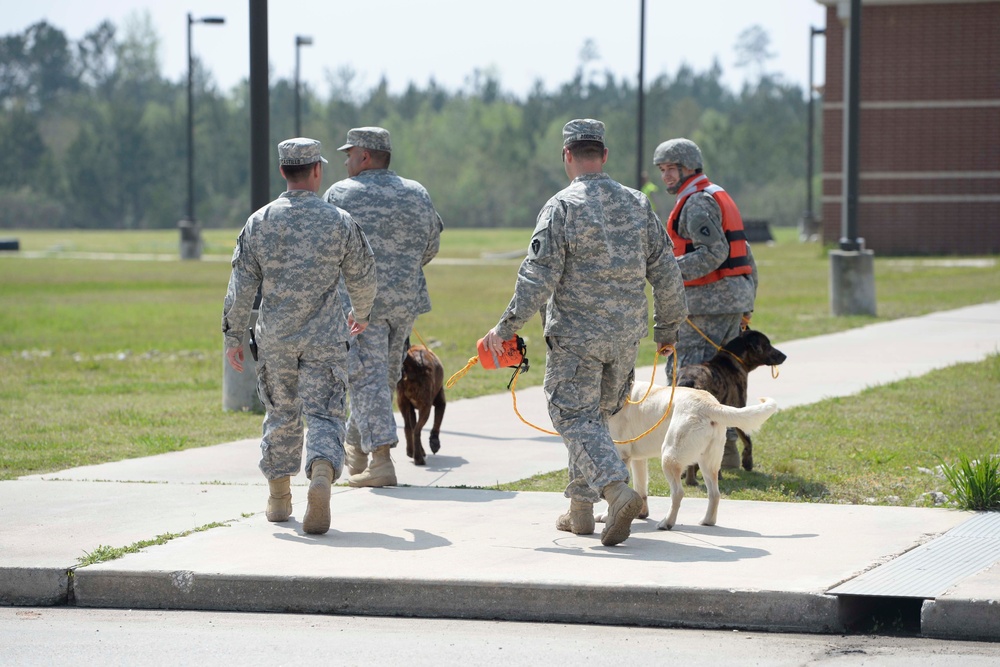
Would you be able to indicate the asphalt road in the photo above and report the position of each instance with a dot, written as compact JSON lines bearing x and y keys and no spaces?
{"x":77,"y":636}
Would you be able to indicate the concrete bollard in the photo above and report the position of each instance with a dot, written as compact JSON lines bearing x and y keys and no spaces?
{"x":852,"y":282}
{"x":190,"y":244}
{"x":239,"y":390}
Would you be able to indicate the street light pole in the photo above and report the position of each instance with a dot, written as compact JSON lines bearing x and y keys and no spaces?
{"x":852,"y":110}
{"x":216,"y":20}
{"x":641,"y":120}
{"x":852,"y":266}
{"x":300,"y":40}
{"x":809,"y":219}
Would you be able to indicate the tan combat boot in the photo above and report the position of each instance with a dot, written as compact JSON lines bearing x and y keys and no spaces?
{"x":279,"y":503}
{"x":317,"y":518}
{"x":624,"y":505}
{"x":357,"y":460}
{"x":380,"y":472}
{"x":579,"y":520}
{"x":730,"y":455}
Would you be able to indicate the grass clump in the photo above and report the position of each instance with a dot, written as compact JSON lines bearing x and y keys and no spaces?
{"x":103,"y":553}
{"x":976,"y":484}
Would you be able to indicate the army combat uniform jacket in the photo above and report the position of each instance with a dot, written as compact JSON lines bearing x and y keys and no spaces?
{"x":404,"y":231}
{"x":297,"y":248}
{"x":595,"y":245}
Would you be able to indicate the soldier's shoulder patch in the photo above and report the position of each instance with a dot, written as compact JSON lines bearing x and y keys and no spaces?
{"x":705,"y":231}
{"x":540,"y":241}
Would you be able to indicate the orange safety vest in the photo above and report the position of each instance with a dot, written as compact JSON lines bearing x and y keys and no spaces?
{"x":737,"y":264}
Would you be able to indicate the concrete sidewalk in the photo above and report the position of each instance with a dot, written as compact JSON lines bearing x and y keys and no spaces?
{"x":431,"y":548}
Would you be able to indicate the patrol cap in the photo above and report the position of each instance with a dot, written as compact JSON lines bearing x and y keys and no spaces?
{"x":583,"y":129}
{"x":372,"y":138}
{"x":299,"y":151}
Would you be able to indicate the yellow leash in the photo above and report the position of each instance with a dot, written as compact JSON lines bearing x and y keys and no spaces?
{"x":712,"y":342}
{"x":461,"y":372}
{"x":417,"y":334}
{"x":774,"y":369}
{"x":670,"y":405}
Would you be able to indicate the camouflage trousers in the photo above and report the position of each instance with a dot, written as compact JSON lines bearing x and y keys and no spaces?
{"x":587,"y":381}
{"x":374,"y":367}
{"x":692,"y":348}
{"x":293,"y":384}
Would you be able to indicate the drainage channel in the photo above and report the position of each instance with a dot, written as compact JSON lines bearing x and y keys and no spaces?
{"x":888,"y":599}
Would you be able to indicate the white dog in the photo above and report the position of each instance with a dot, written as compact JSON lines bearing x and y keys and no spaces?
{"x":694,"y":432}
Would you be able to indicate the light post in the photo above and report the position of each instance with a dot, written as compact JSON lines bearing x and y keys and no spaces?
{"x":809,"y":219}
{"x":300,"y":40}
{"x":849,"y":240}
{"x":239,"y":390}
{"x":190,"y":236}
{"x":641,"y":102}
{"x":852,"y":266}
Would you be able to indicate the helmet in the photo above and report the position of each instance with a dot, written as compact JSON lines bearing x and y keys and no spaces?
{"x":678,"y":151}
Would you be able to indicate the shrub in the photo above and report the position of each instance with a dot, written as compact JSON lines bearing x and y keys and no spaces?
{"x":976,"y":483}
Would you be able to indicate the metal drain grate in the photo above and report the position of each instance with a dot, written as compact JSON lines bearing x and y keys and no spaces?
{"x":932,"y":568}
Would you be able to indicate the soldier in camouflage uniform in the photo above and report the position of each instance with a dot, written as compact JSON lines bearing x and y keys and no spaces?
{"x":296,"y":249}
{"x":405,"y":233}
{"x":720,"y":275}
{"x":595,"y":245}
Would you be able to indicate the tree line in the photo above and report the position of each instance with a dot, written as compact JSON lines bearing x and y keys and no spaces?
{"x":93,"y":135}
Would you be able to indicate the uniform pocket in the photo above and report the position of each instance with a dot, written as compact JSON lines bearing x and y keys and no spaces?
{"x":262,"y":387}
{"x":561,"y":368}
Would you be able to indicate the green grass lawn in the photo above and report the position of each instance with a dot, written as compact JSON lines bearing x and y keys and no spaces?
{"x":102,"y":360}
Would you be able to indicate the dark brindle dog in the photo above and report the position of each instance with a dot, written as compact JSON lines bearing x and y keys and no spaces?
{"x":420,"y":388}
{"x":725,"y":377}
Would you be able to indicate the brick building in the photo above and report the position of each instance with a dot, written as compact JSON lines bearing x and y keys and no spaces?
{"x":929,"y":147}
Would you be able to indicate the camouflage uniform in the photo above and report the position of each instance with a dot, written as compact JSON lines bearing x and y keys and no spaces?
{"x":718,"y":307}
{"x":296,"y":249}
{"x":595,"y":245}
{"x":404,"y":230}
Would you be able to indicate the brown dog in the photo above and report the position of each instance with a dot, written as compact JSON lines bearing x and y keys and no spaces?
{"x":421,"y":386}
{"x":725,"y":377}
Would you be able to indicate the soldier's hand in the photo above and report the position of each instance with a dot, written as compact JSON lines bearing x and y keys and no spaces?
{"x":494,"y":345}
{"x":234,"y":355}
{"x":355,"y":326}
{"x":665,"y":349}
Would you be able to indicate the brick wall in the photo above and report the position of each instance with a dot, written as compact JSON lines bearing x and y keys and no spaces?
{"x":929,"y":179}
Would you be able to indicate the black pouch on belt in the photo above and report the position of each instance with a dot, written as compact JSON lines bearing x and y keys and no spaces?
{"x":252,"y":344}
